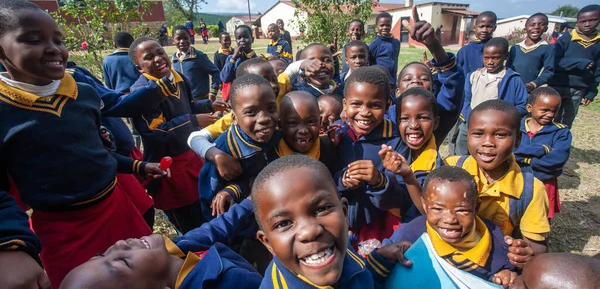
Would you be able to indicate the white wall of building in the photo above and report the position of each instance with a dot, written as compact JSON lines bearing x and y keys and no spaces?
{"x":284,"y":12}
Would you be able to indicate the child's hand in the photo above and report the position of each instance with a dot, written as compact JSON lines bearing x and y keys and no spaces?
{"x":529,"y":87}
{"x":236,"y":53}
{"x":220,"y":106}
{"x":221,"y":203}
{"x":420,"y":31}
{"x":519,"y":252}
{"x":28,"y":273}
{"x":212,"y":97}
{"x":205,"y":119}
{"x":333,"y":47}
{"x":350,"y":183}
{"x":505,"y":278}
{"x":154,"y":171}
{"x":310,"y":66}
{"x":395,"y":253}
{"x":333,"y":134}
{"x":229,"y":168}
{"x":364,"y":170}
{"x":394,"y":162}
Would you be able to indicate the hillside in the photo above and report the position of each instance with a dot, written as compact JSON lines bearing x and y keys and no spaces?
{"x":212,"y":19}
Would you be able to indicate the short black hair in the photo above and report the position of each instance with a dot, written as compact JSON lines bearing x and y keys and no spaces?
{"x":299,"y":54}
{"x":334,"y":97}
{"x":9,"y":13}
{"x":134,"y":46}
{"x":539,"y":14}
{"x":243,"y":68}
{"x":243,"y":82}
{"x":282,"y":165}
{"x":500,"y":105}
{"x":489,"y":14}
{"x":274,"y":25}
{"x":315,"y":44}
{"x":375,"y":75}
{"x":357,"y":43}
{"x":589,"y":8}
{"x":180,"y":27}
{"x":223,"y":34}
{"x":422,"y":92}
{"x":123,"y":39}
{"x":285,"y":64}
{"x":243,"y":26}
{"x":541,"y":91}
{"x":279,"y":20}
{"x":401,"y":73}
{"x":498,"y":42}
{"x":355,"y":20}
{"x":383,"y":15}
{"x":299,"y":94}
{"x":453,"y":175}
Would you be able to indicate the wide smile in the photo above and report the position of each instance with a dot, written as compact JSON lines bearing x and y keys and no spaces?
{"x":486,"y":157}
{"x":415,"y":138}
{"x":450,"y":233}
{"x":302,"y":141}
{"x":319,"y":259}
{"x":54,"y":64}
{"x":364,"y":124}
{"x":264,"y":131}
{"x":146,"y":243}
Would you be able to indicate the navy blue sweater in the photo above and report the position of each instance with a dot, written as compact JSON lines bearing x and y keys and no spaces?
{"x":14,"y":228}
{"x":166,"y":128}
{"x":220,"y":58}
{"x":573,"y":54}
{"x":280,"y":49}
{"x":470,"y":57}
{"x":196,"y":66}
{"x":547,"y":151}
{"x":511,"y":89}
{"x":228,"y":71}
{"x":530,"y":62}
{"x":384,"y":51}
{"x":118,"y":70}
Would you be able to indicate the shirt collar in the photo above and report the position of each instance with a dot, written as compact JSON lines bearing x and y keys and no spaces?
{"x":283,"y":149}
{"x":176,"y":77}
{"x":274,"y":42}
{"x":511,"y":183}
{"x":385,"y":130}
{"x":476,"y":247}
{"x":427,"y":159}
{"x":248,"y":54}
{"x":67,"y":87}
{"x":191,"y":260}
{"x":576,"y":37}
{"x":119,"y":50}
{"x":526,"y":48}
{"x":190,"y":53}
{"x":225,"y":51}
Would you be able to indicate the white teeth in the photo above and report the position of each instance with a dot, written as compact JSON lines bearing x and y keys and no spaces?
{"x":53,"y":63}
{"x":318,"y":258}
{"x":302,"y":141}
{"x":145,"y":244}
{"x":363,"y":122}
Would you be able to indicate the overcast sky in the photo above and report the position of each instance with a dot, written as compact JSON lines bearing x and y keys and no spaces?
{"x":504,"y":8}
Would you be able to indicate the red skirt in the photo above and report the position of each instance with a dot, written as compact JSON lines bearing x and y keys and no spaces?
{"x":380,"y":230}
{"x":553,"y":198}
{"x":225,"y":91}
{"x":136,"y":193}
{"x":182,"y":188}
{"x":70,"y":238}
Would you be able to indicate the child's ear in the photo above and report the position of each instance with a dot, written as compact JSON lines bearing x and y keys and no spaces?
{"x":518,"y":138}
{"x":139,"y":68}
{"x":344,"y":202}
{"x":344,"y":104}
{"x":262,"y":237}
{"x":424,"y":207}
{"x":529,"y":107}
{"x":398,"y":92}
{"x":495,"y":26}
{"x":233,"y":118}
{"x":436,"y":123}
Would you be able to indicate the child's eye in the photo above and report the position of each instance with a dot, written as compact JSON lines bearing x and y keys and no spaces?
{"x":501,"y":135}
{"x":281,"y":225}
{"x":123,"y":260}
{"x":291,"y":123}
{"x":323,"y":208}
{"x":249,"y":113}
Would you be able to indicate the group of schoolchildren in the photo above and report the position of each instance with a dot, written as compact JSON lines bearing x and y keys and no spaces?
{"x":305,"y":176}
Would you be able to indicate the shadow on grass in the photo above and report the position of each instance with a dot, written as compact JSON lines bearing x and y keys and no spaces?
{"x":570,"y":179}
{"x":577,"y":227}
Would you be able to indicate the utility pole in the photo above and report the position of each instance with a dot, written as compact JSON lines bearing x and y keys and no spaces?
{"x":249,"y":15}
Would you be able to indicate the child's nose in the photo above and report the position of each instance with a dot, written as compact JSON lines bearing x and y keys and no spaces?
{"x":309,"y":232}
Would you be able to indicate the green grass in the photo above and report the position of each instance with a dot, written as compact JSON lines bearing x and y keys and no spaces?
{"x":260,"y":46}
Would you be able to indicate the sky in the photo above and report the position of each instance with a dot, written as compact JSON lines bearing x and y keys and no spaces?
{"x":503,"y":8}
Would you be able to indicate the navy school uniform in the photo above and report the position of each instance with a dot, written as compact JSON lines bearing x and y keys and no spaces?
{"x":534,"y":64}
{"x":470,"y":57}
{"x":253,"y":157}
{"x":384,"y":51}
{"x":15,"y":233}
{"x":510,"y":89}
{"x":220,"y":58}
{"x":448,"y":87}
{"x":335,"y":87}
{"x":367,"y":202}
{"x":281,"y":49}
{"x":573,"y":54}
{"x":547,"y":151}
{"x":497,"y":259}
{"x":230,"y":67}
{"x":196,"y":66}
{"x":285,"y":35}
{"x":118,"y":70}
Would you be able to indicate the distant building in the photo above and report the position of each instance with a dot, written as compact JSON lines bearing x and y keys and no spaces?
{"x":253,"y":21}
{"x":508,"y":25}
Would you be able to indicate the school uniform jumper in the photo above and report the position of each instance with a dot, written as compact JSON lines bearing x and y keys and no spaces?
{"x":384,"y":51}
{"x":196,"y":66}
{"x":335,"y":87}
{"x":535,"y":64}
{"x":571,"y":78}
{"x":164,"y":132}
{"x":285,"y":35}
{"x":323,"y":150}
{"x":220,"y":58}
{"x":485,"y":259}
{"x":546,"y":151}
{"x":118,"y":70}
{"x":280,"y":49}
{"x":470,"y":57}
{"x":228,"y":72}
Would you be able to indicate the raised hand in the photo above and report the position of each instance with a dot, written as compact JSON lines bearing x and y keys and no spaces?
{"x":423,"y":32}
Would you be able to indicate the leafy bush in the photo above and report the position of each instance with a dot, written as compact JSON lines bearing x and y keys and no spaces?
{"x":213,"y":30}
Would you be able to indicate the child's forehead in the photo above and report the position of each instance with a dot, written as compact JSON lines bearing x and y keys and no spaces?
{"x":148,"y":46}
{"x":493,"y":50}
{"x":354,"y":25}
{"x":537,"y":18}
{"x":242,"y":31}
{"x":492,"y":117}
{"x":317,"y":51}
{"x":357,"y":49}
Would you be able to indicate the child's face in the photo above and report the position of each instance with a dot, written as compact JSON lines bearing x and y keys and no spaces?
{"x":384,"y":26}
{"x":330,"y":111}
{"x":131,"y":263}
{"x":280,"y":25}
{"x":265,"y":70}
{"x":365,"y":106}
{"x":304,"y":224}
{"x":449,"y":212}
{"x":181,"y":40}
{"x":243,"y":39}
{"x":256,"y":113}
{"x":588,"y":22}
{"x":544,"y":109}
{"x":300,"y":124}
{"x":278,"y":65}
{"x":416,"y":121}
{"x":153,"y":59}
{"x":273,"y":32}
{"x":225,"y":41}
{"x":356,"y":56}
{"x":323,"y":76}
{"x":536,"y":27}
{"x":414,"y":75}
{"x":491,"y":139}
{"x":355,"y":31}
{"x":493,"y":59}
{"x":484,"y":27}
{"x":34,"y":53}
